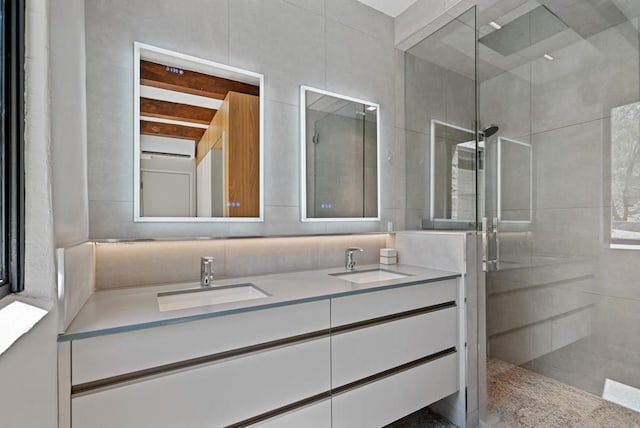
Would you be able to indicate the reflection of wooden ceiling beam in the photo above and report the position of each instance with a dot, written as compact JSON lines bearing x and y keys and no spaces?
{"x":176,"y":111}
{"x":191,"y":82}
{"x":170,"y":130}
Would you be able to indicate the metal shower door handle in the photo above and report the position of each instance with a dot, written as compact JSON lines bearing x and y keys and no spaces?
{"x":490,"y":245}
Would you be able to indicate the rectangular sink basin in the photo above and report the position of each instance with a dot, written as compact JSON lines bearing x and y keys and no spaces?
{"x":215,"y":295}
{"x":371,"y":275}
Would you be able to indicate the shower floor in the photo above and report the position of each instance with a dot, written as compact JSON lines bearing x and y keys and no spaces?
{"x":521,"y":398}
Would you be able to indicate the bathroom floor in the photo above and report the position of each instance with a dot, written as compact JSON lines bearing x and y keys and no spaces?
{"x":422,"y":418}
{"x":521,"y":398}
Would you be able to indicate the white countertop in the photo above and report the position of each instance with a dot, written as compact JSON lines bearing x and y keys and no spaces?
{"x":126,"y":309}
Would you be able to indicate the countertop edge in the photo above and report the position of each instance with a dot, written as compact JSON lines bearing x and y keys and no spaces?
{"x":66,"y":337}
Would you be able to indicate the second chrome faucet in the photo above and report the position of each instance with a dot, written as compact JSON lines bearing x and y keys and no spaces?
{"x":349,"y":260}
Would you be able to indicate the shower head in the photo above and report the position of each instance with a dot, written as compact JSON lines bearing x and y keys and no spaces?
{"x":490,"y":130}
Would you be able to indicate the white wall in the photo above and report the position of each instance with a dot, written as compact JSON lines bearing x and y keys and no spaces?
{"x":69,"y":122}
{"x":28,"y":369}
{"x":338,"y":45}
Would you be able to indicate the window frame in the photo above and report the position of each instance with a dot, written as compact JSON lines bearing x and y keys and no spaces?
{"x":12,"y":178}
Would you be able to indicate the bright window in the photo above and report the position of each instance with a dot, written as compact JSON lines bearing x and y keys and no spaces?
{"x":625,"y":176}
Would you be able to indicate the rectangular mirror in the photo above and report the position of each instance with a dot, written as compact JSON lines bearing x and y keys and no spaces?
{"x":340,"y":160}
{"x":198,"y":149}
{"x":453,"y":174}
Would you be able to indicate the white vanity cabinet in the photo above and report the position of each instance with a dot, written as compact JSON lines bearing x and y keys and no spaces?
{"x":392,"y":352}
{"x":356,"y":360}
{"x":208,"y":373}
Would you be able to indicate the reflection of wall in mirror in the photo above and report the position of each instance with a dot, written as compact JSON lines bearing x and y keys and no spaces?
{"x":454,"y":173}
{"x":341,"y":166}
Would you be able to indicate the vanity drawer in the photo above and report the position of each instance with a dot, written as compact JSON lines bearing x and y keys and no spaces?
{"x":115,"y":354}
{"x":359,"y":307}
{"x":379,"y":403}
{"x":317,"y":415}
{"x":211,"y":395}
{"x":362,"y":352}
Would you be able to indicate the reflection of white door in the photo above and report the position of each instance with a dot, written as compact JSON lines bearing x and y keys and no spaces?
{"x":210,"y":185}
{"x":204,"y":175}
{"x":166,"y":194}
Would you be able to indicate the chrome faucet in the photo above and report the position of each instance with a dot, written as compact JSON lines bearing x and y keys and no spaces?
{"x":206,"y":271}
{"x":349,"y":261}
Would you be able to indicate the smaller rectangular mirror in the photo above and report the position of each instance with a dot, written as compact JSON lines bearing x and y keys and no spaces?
{"x":340,"y":160}
{"x":453,"y":175}
{"x":198,"y":152}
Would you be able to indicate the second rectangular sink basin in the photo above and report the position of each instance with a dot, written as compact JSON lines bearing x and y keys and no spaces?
{"x":370,"y":275}
{"x":196,"y":297}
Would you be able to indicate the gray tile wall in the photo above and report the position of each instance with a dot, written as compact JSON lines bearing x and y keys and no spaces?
{"x":130,"y":264}
{"x":342,"y":46}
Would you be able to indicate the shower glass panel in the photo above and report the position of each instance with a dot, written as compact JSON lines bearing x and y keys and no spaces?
{"x":562,"y":81}
{"x":443,"y":174}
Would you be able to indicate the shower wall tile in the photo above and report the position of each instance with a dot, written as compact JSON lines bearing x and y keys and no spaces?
{"x":570,"y":329}
{"x":570,"y":89}
{"x":568,"y":166}
{"x":567,"y":231}
{"x":522,"y":345}
{"x":617,"y":273}
{"x":506,"y":101}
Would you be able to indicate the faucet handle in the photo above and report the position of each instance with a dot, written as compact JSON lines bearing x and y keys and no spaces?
{"x":349,"y":262}
{"x":206,"y":270}
{"x":352,"y":249}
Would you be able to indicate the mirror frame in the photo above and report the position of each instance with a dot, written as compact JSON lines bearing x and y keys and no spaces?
{"x":138,"y":47}
{"x":454,"y":223}
{"x":303,"y":156}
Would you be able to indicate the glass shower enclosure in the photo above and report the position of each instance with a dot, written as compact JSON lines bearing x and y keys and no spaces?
{"x":550,"y":90}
